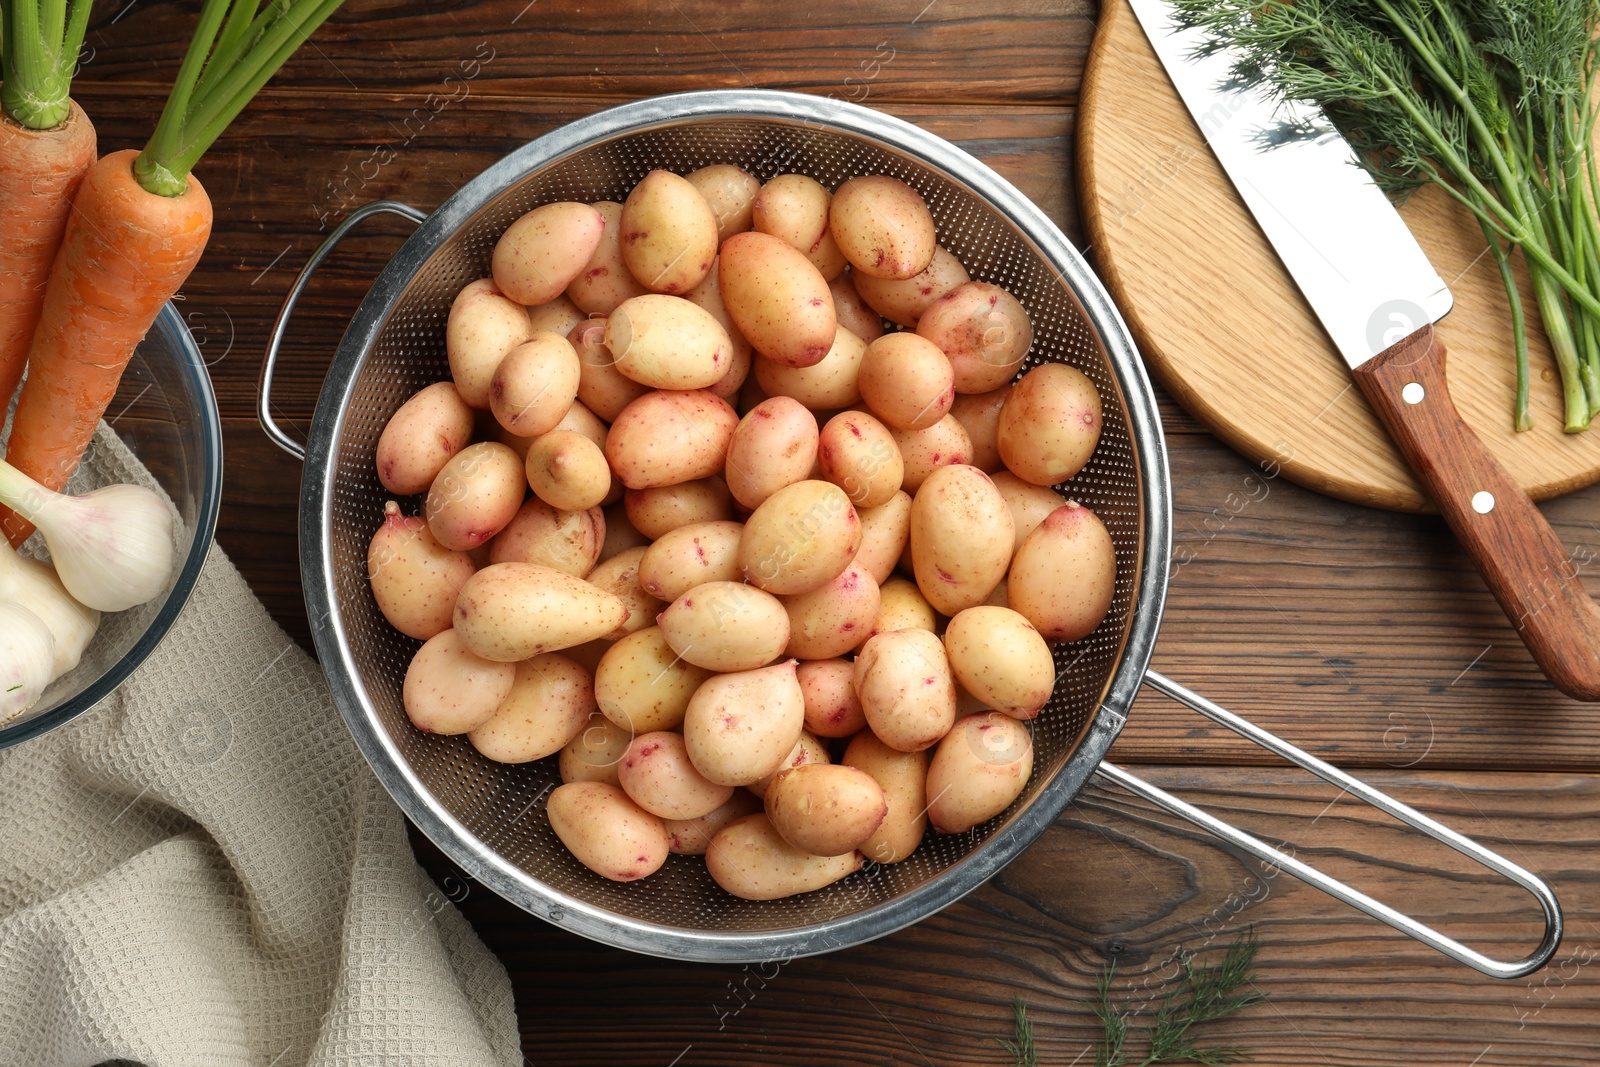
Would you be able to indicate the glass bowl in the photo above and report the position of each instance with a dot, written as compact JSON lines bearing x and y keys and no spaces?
{"x":161,"y":430}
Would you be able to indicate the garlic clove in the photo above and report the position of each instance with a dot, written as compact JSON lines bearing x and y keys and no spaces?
{"x":27,"y":655}
{"x":33,"y":584}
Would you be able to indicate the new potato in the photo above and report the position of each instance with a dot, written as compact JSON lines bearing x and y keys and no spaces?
{"x":1065,"y":573}
{"x":825,"y":809}
{"x":604,"y":282}
{"x":751,"y":860}
{"x":777,"y":298}
{"x":692,"y":555}
{"x":641,"y":684}
{"x":539,"y":533}
{"x":667,"y":342}
{"x":1028,"y":504}
{"x":857,"y":453}
{"x":1000,"y":659}
{"x":619,"y":576}
{"x":475,"y":495}
{"x":885,"y":533}
{"x":1049,"y":425}
{"x":906,"y":381}
{"x":708,"y":295}
{"x":808,"y":750}
{"x":961,"y":537}
{"x":977,"y":771}
{"x":534,"y":385}
{"x":691,"y":837}
{"x":602,"y":388}
{"x":669,"y":235}
{"x":739,"y":727}
{"x":484,"y":324}
{"x":450,"y":690}
{"x":730,"y":192}
{"x":658,"y":511}
{"x":794,"y":207}
{"x":554,"y":316}
{"x":414,"y":578}
{"x":883,"y":226}
{"x":568,"y":471}
{"x":801,"y":537}
{"x":979,"y":415}
{"x":901,"y":606}
{"x":773,"y":446}
{"x":851,"y":311}
{"x":829,"y":689}
{"x":656,"y":774}
{"x":421,"y":437}
{"x":550,"y":702}
{"x":907,"y":691}
{"x":514,"y":611}
{"x":904,"y":300}
{"x":830,"y":620}
{"x":984,"y":332}
{"x":664,"y":438}
{"x":923,"y":451}
{"x":828,"y":384}
{"x":593,"y":755}
{"x":540,"y":253}
{"x":607,"y":832}
{"x":726,"y":626}
{"x":903,"y":777}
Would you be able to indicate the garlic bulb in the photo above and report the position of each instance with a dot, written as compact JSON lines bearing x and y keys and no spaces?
{"x":112,"y":547}
{"x":27,"y":652}
{"x":33,"y":584}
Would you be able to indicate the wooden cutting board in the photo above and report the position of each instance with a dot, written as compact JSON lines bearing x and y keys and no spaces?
{"x":1223,"y":327}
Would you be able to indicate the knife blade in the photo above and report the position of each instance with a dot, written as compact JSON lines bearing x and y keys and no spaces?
{"x":1371,"y":286}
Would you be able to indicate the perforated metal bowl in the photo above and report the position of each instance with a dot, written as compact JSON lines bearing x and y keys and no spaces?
{"x":490,"y":817}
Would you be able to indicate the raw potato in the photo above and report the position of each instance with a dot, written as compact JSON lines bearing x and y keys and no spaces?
{"x":801,"y":537}
{"x":1049,"y":425}
{"x":998,"y":657}
{"x":669,"y":235}
{"x":794,"y":208}
{"x":885,"y":533}
{"x":832,"y":707}
{"x":593,"y":755}
{"x":901,"y":606}
{"x":555,"y":316}
{"x":906,"y":381}
{"x":858,"y":454}
{"x":851,"y":311}
{"x":825,"y":809}
{"x":883,"y":226}
{"x":726,"y":626}
{"x":607,"y":832}
{"x":1064,"y":574}
{"x":664,"y":438}
{"x":689,"y":556}
{"x":831,"y":619}
{"x":642,"y":685}
{"x":777,"y":299}
{"x":691,"y":837}
{"x":449,"y":690}
{"x":656,"y":774}
{"x":961,"y":538}
{"x":603,"y":388}
{"x":512,"y":611}
{"x":983,"y":330}
{"x":588,"y":654}
{"x":604,"y":282}
{"x":580,"y":419}
{"x":903,"y":777}
{"x":539,"y":254}
{"x":730,"y":192}
{"x":534,"y":385}
{"x":484,"y":325}
{"x":566,"y":540}
{"x":977,"y":771}
{"x":773,"y":446}
{"x":807,"y":750}
{"x":476,"y":494}
{"x":415,"y":579}
{"x":568,"y":471}
{"x":828,"y":384}
{"x":550,"y":702}
{"x":708,"y":295}
{"x":657,"y":512}
{"x":420,"y":438}
{"x":907,"y":691}
{"x":923,"y":451}
{"x":1028,"y":503}
{"x":750,"y":860}
{"x":619,"y":576}
{"x":979,"y":415}
{"x":667,"y":342}
{"x":739,"y":727}
{"x":903,"y":301}
{"x":621,"y":534}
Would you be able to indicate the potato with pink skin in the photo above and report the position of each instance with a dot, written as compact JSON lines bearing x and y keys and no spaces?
{"x":901,"y":606}
{"x":580,"y":419}
{"x":667,"y":342}
{"x":828,"y":384}
{"x":832,"y":707}
{"x":903,"y":777}
{"x":449,"y":689}
{"x":421,"y":437}
{"x":857,"y":453}
{"x":641,"y":684}
{"x":557,"y":316}
{"x":691,"y":555}
{"x":961,"y":538}
{"x":664,"y":438}
{"x":658,"y":511}
{"x":825,"y":809}
{"x":904,"y":300}
{"x":1065,"y":573}
{"x":540,"y":253}
{"x":604,"y":282}
{"x":1050,"y":424}
{"x":852,"y":312}
{"x":794,"y":207}
{"x":883,"y":226}
{"x":885,"y":533}
{"x":691,"y":837}
{"x":512,"y":611}
{"x":752,"y":861}
{"x":998,"y":657}
{"x":977,"y":771}
{"x":831,"y":619}
{"x":475,"y":495}
{"x":534,"y":385}
{"x":924,"y":451}
{"x":1029,"y":504}
{"x":566,"y":540}
{"x":906,"y":689}
{"x":708,"y":295}
{"x":906,"y":381}
{"x":806,"y":751}
{"x":603,"y":388}
{"x":593,"y":755}
{"x":607,"y":832}
{"x":415,"y":580}
{"x":669,"y":235}
{"x":726,"y":626}
{"x":778,"y":300}
{"x":730,"y":192}
{"x":773,"y":446}
{"x":656,"y":774}
{"x":979,"y":415}
{"x":484,"y":324}
{"x":568,"y":471}
{"x":739,"y":727}
{"x":984,"y":331}
{"x":550,"y":701}
{"x":800,"y":538}
{"x":619,"y":576}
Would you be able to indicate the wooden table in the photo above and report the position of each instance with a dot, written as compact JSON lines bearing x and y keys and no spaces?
{"x":1362,"y":635}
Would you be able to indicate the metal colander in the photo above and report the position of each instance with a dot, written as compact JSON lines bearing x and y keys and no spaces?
{"x":489,"y":817}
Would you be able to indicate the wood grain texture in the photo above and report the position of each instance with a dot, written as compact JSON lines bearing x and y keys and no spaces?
{"x":1222,"y":324}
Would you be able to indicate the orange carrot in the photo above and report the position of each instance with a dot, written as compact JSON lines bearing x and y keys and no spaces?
{"x":125,"y":253}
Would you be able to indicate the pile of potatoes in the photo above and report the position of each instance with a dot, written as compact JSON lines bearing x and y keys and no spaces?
{"x":774,"y":582}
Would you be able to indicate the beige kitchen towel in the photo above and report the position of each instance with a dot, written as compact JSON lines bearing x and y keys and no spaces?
{"x":203,"y":871}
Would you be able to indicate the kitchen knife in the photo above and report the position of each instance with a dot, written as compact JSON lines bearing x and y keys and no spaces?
{"x":1376,"y":294}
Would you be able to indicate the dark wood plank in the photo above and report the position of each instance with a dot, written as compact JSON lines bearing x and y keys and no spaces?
{"x":1114,"y":878}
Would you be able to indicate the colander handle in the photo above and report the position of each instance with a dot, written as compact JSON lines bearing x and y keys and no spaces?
{"x":269,"y":365}
{"x":1286,"y":861}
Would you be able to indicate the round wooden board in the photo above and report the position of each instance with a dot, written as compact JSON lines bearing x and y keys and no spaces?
{"x":1223,"y":327}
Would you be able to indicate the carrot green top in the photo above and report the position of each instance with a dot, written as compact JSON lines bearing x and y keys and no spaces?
{"x":39,"y":45}
{"x":236,"y":48}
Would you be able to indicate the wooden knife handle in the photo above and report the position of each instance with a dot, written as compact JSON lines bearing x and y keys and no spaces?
{"x":1521,"y":559}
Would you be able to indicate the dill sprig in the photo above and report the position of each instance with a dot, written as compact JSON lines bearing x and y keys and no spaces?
{"x":1020,"y":1047}
{"x":1198,"y":995}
